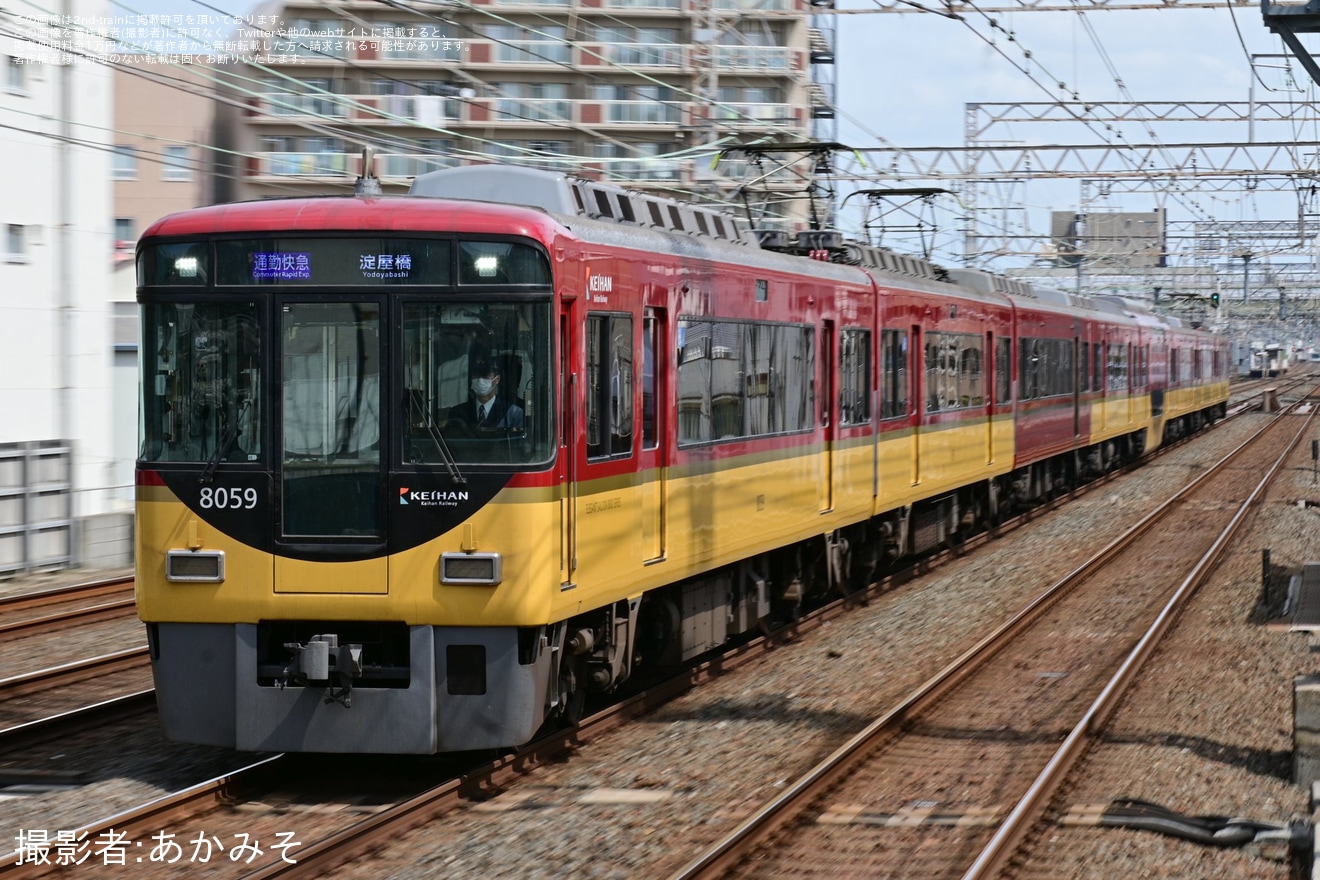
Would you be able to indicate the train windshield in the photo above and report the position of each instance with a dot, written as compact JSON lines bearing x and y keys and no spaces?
{"x":476,"y":382}
{"x":201,"y":369}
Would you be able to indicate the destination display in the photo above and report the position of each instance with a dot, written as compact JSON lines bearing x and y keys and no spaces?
{"x":334,"y":262}
{"x":343,"y":262}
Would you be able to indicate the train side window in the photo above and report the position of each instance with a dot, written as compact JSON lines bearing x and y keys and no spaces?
{"x":855,"y":377}
{"x":1028,"y":370}
{"x":1118,"y":368}
{"x":894,"y":374}
{"x":650,"y":379}
{"x":1003,"y":369}
{"x":609,"y":385}
{"x":738,"y":379}
{"x":1045,"y":369}
{"x":955,"y":371}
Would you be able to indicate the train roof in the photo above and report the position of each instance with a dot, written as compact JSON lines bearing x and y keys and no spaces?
{"x":350,"y":214}
{"x":558,"y":193}
{"x":534,"y":202}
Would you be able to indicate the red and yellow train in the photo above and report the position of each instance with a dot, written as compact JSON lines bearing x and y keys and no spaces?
{"x":339,"y":551}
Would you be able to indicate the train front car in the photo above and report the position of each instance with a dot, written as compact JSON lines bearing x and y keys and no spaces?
{"x":347,"y":527}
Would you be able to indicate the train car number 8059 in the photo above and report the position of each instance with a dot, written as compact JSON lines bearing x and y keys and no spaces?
{"x":234,"y":499}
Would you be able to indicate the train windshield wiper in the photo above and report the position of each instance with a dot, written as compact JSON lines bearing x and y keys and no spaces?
{"x":226,"y":443}
{"x":451,"y":464}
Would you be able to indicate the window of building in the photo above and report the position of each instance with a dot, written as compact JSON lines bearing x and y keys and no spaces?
{"x":317,"y":38}
{"x":125,"y":163}
{"x":540,"y":44}
{"x":15,"y":243}
{"x":124,"y":229}
{"x":177,"y":164}
{"x":15,"y":76}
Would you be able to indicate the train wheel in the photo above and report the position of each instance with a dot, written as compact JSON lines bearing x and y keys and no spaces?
{"x":572,"y":694}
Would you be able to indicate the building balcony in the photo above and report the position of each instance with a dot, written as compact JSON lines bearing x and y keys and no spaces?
{"x":436,"y":112}
{"x":521,"y":53}
{"x":752,"y":115}
{"x":684,"y":6}
{"x":402,"y":167}
{"x":633,"y":113}
{"x":527,"y":110}
{"x":651,"y":55}
{"x":646,"y":171}
{"x":282,"y":105}
{"x":770,"y":59}
{"x":755,"y":7}
{"x":641,"y":5}
{"x":312,"y":167}
{"x":430,"y":110}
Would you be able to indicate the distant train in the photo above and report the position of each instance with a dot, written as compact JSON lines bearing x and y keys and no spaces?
{"x":418,"y":473}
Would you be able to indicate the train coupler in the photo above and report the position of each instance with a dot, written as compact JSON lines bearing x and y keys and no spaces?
{"x":324,"y":662}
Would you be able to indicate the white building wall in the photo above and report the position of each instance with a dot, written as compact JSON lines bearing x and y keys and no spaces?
{"x":55,"y":342}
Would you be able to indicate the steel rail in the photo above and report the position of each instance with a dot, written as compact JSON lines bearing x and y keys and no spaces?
{"x":44,"y":729}
{"x":66,"y":673}
{"x":729,"y":850}
{"x":1019,"y":822}
{"x":73,"y":592}
{"x":142,"y":816}
{"x":68,"y":591}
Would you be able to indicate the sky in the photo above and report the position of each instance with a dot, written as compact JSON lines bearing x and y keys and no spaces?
{"x":905,"y":80}
{"x":908,"y":79}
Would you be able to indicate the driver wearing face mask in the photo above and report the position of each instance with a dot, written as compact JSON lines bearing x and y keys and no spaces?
{"x":485,"y":408}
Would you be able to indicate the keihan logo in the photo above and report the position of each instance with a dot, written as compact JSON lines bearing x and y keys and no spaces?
{"x":432,"y":497}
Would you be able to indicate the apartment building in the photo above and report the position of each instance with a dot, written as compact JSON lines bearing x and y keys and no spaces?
{"x":640,"y":91}
{"x":55,"y":254}
{"x":162,"y":143}
{"x":162,"y":163}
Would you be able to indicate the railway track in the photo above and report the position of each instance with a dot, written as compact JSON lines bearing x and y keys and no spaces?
{"x":27,"y":614}
{"x":326,"y":845}
{"x":952,"y":781}
{"x":44,"y":702}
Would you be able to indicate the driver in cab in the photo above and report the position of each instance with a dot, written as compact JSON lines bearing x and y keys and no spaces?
{"x":486,"y":410}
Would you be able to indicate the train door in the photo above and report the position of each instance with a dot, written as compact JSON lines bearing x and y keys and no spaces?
{"x":653,"y":465}
{"x":990,"y":368}
{"x":1078,"y":370}
{"x":1131,"y":378}
{"x":1100,"y":352}
{"x":828,"y":359}
{"x":331,"y":471}
{"x":916,"y":376}
{"x":566,"y":472}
